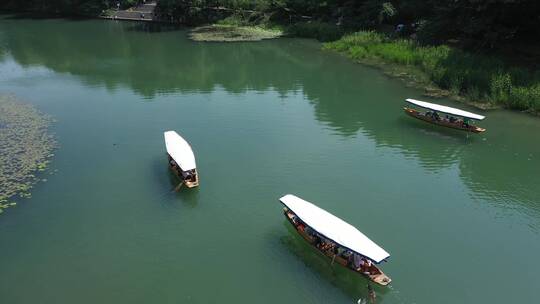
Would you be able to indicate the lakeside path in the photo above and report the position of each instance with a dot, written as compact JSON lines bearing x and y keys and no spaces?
{"x":141,"y":12}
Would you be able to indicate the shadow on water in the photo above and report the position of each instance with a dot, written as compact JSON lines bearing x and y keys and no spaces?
{"x":151,"y":27}
{"x":40,"y":16}
{"x":498,"y":166}
{"x":164,"y":176}
{"x":188,"y":196}
{"x":352,"y":284}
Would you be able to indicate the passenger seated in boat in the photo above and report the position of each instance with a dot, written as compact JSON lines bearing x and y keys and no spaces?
{"x":435,"y":115}
{"x":301,"y":226}
{"x":340,"y":251}
{"x":294,"y":218}
{"x":193,"y":176}
{"x":365,"y":266}
{"x":327,"y":245}
{"x":369,"y":268}
{"x":452,"y":119}
{"x":357,"y":261}
{"x":317,"y":240}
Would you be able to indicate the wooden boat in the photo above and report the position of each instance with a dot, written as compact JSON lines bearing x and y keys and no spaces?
{"x":181,"y":159}
{"x":336,"y":239}
{"x":454,"y":118}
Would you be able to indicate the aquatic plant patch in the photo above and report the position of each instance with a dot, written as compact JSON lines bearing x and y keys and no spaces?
{"x":26,"y":148}
{"x":227,"y":33}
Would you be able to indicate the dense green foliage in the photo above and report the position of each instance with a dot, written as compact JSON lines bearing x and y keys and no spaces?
{"x":478,"y":23}
{"x":321,"y":31}
{"x":429,"y":26}
{"x":480,"y":78}
{"x":71,"y":7}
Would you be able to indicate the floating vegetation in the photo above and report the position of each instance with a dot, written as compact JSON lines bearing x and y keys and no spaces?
{"x":230,"y":33}
{"x":26,"y":148}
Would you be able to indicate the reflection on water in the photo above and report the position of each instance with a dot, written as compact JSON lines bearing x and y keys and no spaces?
{"x":504,"y":169}
{"x":265,"y":119}
{"x":497,"y":165}
{"x":164,"y":176}
{"x":351,"y":283}
{"x":152,"y":63}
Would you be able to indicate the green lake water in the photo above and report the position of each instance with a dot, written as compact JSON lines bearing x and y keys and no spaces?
{"x":460,"y":215}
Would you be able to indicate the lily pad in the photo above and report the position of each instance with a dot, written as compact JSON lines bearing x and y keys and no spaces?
{"x":26,"y":147}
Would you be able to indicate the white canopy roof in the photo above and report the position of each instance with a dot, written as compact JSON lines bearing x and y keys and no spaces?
{"x":334,"y":228}
{"x":445,"y":109}
{"x":179,"y":150}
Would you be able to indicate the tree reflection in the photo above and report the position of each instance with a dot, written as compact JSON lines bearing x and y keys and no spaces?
{"x":347,"y":98}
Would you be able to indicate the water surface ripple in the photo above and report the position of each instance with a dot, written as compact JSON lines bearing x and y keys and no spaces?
{"x":264,"y":119}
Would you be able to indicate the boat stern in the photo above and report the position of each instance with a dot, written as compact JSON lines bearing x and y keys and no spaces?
{"x":478,"y":130}
{"x":381,"y":279}
{"x":192,"y":183}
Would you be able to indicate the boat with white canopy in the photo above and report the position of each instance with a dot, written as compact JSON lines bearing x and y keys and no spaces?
{"x":454,"y":118}
{"x":181,"y":159}
{"x":335,"y":238}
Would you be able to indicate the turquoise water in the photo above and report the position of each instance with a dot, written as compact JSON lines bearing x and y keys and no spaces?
{"x":460,"y":215}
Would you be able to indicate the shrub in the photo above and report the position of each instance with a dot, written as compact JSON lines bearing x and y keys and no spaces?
{"x":318,"y":30}
{"x":523,"y":98}
{"x":501,"y":86}
{"x":358,"y":52}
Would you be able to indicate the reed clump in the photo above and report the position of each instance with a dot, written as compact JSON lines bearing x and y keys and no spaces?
{"x":480,"y":79}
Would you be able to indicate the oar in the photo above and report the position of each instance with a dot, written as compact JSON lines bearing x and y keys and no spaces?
{"x":179,"y":186}
{"x":371,"y":294}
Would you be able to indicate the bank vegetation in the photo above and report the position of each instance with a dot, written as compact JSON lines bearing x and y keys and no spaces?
{"x":481,"y":79}
{"x":484,"y":51}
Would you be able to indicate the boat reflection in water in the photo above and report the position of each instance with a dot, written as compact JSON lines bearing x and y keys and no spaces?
{"x":336,"y":239}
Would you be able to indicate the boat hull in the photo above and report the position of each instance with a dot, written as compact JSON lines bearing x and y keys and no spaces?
{"x":442,"y":122}
{"x":379,"y":278}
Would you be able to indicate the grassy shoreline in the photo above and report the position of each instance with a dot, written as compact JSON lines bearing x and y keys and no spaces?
{"x":479,"y":80}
